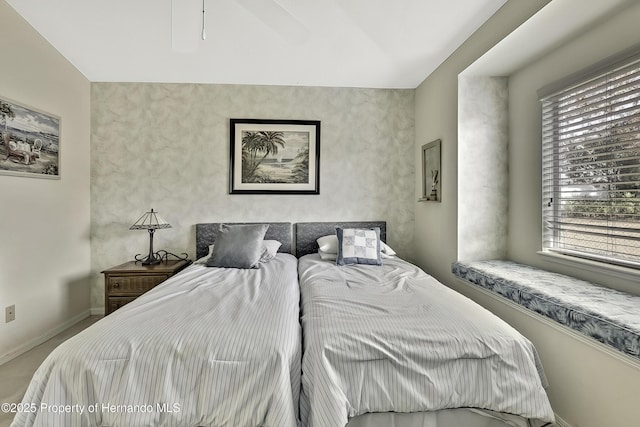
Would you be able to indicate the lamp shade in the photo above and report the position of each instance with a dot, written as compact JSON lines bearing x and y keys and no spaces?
{"x":150,"y":221}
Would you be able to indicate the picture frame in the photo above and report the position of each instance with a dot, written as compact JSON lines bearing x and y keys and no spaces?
{"x":274,"y":156}
{"x":431,"y":172}
{"x":29,"y":141}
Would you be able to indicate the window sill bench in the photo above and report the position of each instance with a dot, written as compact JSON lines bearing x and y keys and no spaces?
{"x":607,"y":315}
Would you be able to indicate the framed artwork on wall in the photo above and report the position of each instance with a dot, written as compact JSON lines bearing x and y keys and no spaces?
{"x":431,"y":172}
{"x":274,"y":156}
{"x":30,"y":142}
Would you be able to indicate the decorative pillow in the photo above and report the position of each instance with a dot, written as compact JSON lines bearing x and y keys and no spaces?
{"x":328,"y":248}
{"x":269,"y":250}
{"x":238,"y":246}
{"x":358,"y":246}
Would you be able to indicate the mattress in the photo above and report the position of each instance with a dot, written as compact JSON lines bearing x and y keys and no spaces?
{"x":209,"y":346}
{"x":391,"y":338}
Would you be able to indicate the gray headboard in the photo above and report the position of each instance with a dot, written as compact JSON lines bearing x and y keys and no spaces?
{"x":206,"y":235}
{"x":308,"y":232}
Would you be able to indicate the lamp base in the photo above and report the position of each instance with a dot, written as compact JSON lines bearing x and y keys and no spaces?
{"x":151,"y":259}
{"x":159,"y":257}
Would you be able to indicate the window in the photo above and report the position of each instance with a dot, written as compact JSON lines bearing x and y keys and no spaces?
{"x":591,"y":164}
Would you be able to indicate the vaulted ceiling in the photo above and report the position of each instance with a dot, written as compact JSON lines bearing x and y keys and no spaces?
{"x":341,"y":43}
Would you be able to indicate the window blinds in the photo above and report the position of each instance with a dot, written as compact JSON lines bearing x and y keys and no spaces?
{"x":591,"y":166}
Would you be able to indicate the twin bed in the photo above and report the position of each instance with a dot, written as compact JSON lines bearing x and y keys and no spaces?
{"x":295,"y":342}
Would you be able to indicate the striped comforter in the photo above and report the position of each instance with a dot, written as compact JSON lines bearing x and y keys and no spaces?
{"x":393,"y":339}
{"x":208,"y":347}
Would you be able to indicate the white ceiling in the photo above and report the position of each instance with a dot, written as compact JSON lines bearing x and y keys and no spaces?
{"x":549,"y":28}
{"x":340,"y":43}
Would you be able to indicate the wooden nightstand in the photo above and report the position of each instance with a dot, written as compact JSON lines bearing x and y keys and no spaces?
{"x":126,"y":282}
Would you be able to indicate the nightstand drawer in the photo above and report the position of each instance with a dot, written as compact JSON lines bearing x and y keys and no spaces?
{"x":122,"y":285}
{"x":114,"y":303}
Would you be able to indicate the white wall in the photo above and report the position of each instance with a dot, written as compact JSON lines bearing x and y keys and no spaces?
{"x":589,"y":388}
{"x":166,"y":146}
{"x":591,"y":385}
{"x":44,"y":224}
{"x":436,"y":116}
{"x":613,"y":35}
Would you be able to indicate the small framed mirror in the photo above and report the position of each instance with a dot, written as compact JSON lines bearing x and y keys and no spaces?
{"x":431,"y":173}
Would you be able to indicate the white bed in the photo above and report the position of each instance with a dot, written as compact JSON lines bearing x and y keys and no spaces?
{"x":208,"y":347}
{"x":391,"y":346}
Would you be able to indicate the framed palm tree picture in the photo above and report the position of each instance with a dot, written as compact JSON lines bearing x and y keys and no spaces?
{"x":274,"y":156}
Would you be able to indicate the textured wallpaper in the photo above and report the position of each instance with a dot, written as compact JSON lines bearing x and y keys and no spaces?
{"x":483,"y":168}
{"x":166,"y":146}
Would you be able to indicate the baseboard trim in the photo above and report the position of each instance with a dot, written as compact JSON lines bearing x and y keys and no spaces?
{"x":97,"y":311}
{"x":42,"y":338}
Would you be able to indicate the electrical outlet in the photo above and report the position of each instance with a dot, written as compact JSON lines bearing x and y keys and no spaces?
{"x":9,"y":313}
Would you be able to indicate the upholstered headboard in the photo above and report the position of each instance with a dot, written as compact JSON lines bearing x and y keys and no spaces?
{"x":308,"y":232}
{"x":206,"y":235}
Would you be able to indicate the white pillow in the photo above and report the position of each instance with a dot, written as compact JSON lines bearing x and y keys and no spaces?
{"x":328,"y":244}
{"x":204,"y":259}
{"x":327,"y":256}
{"x":269,"y":250}
{"x":386,"y":249}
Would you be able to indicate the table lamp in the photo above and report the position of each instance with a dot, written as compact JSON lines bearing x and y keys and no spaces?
{"x":150,"y":221}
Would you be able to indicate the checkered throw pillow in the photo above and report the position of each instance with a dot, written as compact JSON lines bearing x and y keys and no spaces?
{"x":358,"y":246}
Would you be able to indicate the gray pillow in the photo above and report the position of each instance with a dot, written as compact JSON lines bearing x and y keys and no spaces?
{"x":238,"y":246}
